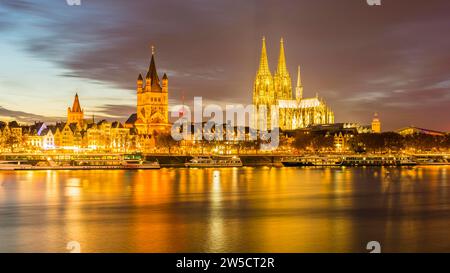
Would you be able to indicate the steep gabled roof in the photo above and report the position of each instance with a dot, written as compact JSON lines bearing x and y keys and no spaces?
{"x":73,"y":127}
{"x":60,"y":125}
{"x":101,"y":122}
{"x":76,"y":104}
{"x":51,"y":128}
{"x":117,"y":124}
{"x":132,"y":119}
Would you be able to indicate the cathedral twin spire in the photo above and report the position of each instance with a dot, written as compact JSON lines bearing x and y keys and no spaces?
{"x":277,"y":90}
{"x":264,"y":63}
{"x":282,"y":85}
{"x":282,"y":69}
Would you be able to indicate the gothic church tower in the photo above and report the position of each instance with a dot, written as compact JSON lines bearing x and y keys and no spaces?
{"x":152,"y":101}
{"x":75,"y":114}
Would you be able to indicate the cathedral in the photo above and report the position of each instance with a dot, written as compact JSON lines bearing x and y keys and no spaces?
{"x":294,"y":112}
{"x":152,"y":102}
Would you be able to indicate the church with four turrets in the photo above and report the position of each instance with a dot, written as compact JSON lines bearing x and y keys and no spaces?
{"x":152,"y":102}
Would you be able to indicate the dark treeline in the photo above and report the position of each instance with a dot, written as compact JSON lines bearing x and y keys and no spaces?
{"x":374,"y":143}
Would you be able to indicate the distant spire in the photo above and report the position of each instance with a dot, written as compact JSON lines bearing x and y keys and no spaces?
{"x":264,"y":63}
{"x":299,"y":87}
{"x":299,"y":80}
{"x":282,"y":69}
{"x":76,"y":104}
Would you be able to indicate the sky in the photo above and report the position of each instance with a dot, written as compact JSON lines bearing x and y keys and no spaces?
{"x":392,"y":59}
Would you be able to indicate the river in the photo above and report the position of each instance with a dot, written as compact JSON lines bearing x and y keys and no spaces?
{"x":227,"y":210}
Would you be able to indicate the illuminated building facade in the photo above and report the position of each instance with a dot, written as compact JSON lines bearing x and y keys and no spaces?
{"x":294,"y":112}
{"x":376,"y":124}
{"x":411,"y":130}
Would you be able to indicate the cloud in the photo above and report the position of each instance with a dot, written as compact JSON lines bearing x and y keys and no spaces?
{"x":357,"y":57}
{"x":113,"y":111}
{"x":108,"y":112}
{"x":22,"y":116}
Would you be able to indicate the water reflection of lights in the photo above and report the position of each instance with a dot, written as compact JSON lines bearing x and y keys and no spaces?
{"x":2,"y":185}
{"x":212,"y":210}
{"x":73,"y":187}
{"x":216,"y":226}
{"x":216,"y":181}
{"x":51,"y":182}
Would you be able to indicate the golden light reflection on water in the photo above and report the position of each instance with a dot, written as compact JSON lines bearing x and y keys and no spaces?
{"x":226,"y":210}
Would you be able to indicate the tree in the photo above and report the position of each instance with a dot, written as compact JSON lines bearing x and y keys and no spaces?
{"x":370,"y":142}
{"x":424,"y":142}
{"x":321,"y":142}
{"x":302,"y":141}
{"x":393,"y":141}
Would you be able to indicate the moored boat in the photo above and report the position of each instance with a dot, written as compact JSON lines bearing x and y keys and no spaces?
{"x":317,"y":161}
{"x":426,"y":159}
{"x":214,"y":162}
{"x":377,"y":160}
{"x":298,"y":161}
{"x":51,"y":165}
{"x":14,"y":165}
{"x":350,"y":160}
{"x":406,"y":161}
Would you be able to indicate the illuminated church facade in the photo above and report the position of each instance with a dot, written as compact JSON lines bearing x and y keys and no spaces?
{"x":295,"y":112}
{"x":152,"y":102}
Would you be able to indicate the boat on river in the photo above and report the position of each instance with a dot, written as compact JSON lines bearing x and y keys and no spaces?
{"x":432,"y":159}
{"x":214,"y":162}
{"x":312,"y":161}
{"x":350,"y":160}
{"x":20,"y":166}
{"x":114,"y":162}
{"x":377,"y":160}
